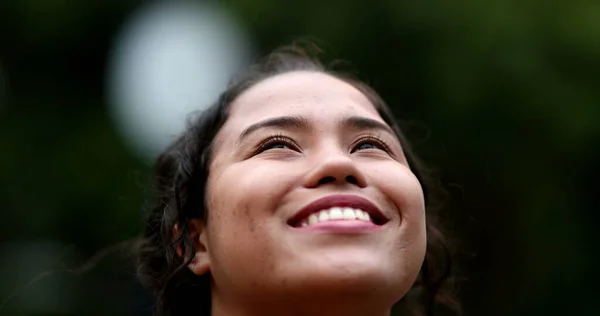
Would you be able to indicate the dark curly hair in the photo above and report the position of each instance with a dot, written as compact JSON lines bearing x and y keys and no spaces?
{"x":181,"y":173}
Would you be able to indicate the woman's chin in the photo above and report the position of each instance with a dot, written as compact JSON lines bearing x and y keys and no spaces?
{"x":350,"y":277}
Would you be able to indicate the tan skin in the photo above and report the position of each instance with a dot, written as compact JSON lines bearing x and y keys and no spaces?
{"x":260,"y":265}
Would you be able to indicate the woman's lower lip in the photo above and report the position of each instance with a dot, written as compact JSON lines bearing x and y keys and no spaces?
{"x":340,"y":226}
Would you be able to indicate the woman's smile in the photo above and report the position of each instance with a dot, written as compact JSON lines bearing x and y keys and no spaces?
{"x":342,"y":213}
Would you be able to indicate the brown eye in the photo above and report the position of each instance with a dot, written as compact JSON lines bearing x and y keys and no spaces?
{"x":277,"y":142}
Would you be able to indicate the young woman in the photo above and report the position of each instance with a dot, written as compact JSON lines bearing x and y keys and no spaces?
{"x":296,"y":193}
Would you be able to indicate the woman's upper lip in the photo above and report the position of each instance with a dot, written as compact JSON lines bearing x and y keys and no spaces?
{"x":339,"y":200}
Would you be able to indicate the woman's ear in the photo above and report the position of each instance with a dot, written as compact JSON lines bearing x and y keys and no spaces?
{"x":200,"y":264}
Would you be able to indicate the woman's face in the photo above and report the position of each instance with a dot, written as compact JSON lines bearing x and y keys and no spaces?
{"x":299,"y":154}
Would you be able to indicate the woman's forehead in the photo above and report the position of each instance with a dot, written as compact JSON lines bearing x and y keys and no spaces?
{"x":314,"y":95}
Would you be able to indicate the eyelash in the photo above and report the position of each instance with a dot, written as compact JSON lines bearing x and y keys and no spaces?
{"x":276,"y":139}
{"x":373,"y":139}
{"x":281,"y":139}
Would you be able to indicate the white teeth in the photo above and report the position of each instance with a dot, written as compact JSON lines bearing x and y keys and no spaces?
{"x":362,"y":215}
{"x":349,"y":213}
{"x":336,"y":213}
{"x":323,"y":216}
{"x":313,"y":219}
{"x":359,"y":214}
{"x":366,"y":216}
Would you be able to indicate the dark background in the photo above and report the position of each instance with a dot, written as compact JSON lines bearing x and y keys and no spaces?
{"x":509,"y":92}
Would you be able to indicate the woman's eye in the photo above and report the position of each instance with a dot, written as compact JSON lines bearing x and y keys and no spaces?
{"x":366,"y":146}
{"x":277,"y":143}
{"x":369,"y":143}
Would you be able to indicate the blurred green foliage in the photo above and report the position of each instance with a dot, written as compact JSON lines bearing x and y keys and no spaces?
{"x":509,"y":92}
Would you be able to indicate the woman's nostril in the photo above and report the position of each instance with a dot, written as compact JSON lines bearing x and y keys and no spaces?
{"x":351,"y":179}
{"x":326,"y":180}
{"x":331,"y":179}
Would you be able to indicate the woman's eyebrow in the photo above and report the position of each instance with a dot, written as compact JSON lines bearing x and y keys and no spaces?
{"x":285,"y":122}
{"x":301,"y":122}
{"x":360,"y":122}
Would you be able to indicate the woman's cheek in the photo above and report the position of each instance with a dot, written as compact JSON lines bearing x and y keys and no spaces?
{"x":405,"y":186}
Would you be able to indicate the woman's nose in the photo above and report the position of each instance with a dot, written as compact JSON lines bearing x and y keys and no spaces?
{"x":335,"y":169}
